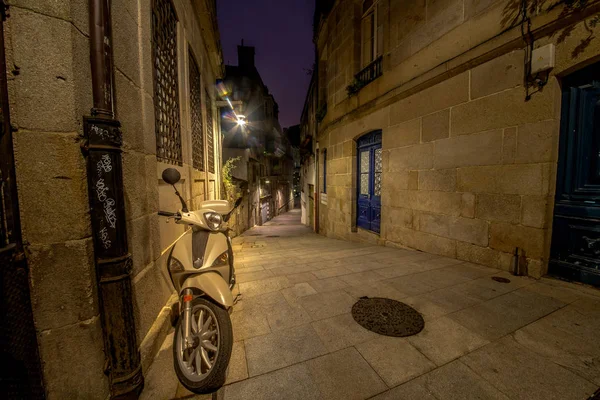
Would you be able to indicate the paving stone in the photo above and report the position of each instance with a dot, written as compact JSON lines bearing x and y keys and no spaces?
{"x":566,"y":295}
{"x":455,"y":381}
{"x":444,"y":340}
{"x":157,"y":385}
{"x":486,"y":288}
{"x":400,"y":270}
{"x":440,"y":278}
{"x":282,"y":348}
{"x":472,"y":271}
{"x":292,"y":383}
{"x":409,"y":391}
{"x":394,"y":359}
{"x":409,"y":285}
{"x":283,"y":316}
{"x":256,"y":288}
{"x":299,"y":290}
{"x":361,"y":278}
{"x":448,"y":300}
{"x":505,"y":314}
{"x":341,"y":331}
{"x":522,"y":374}
{"x":325,"y":305}
{"x":253,"y":276}
{"x":244,"y":269}
{"x":238,"y":368}
{"x":331,"y":272}
{"x":439,"y":262}
{"x":575,"y":353}
{"x":345,"y":375}
{"x":259,"y":302}
{"x":377,"y":289}
{"x":247,"y":324}
{"x":328,"y":284}
{"x":365,"y":266}
{"x":301,"y":277}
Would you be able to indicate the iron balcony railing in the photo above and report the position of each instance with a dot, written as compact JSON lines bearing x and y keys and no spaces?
{"x":370,"y":72}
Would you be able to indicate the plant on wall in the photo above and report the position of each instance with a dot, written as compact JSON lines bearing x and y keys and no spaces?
{"x":355,"y":86}
{"x":230,"y":189}
{"x":321,"y":112}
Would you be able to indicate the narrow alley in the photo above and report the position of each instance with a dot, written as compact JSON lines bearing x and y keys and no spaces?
{"x":295,"y":337}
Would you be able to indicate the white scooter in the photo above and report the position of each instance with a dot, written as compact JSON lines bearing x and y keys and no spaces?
{"x":200,"y":265}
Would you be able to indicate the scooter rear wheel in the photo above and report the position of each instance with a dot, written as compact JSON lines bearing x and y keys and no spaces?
{"x":201,"y":365}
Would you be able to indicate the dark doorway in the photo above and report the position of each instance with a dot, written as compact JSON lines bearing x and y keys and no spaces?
{"x":575,"y":253}
{"x":368,"y":215}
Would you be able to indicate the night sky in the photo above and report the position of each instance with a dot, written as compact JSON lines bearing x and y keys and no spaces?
{"x":281,"y":31}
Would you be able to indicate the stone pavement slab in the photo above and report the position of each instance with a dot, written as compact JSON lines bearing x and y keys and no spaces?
{"x":522,"y":374}
{"x":283,"y":348}
{"x":345,"y":375}
{"x":341,"y":331}
{"x":394,"y":359}
{"x":295,"y":337}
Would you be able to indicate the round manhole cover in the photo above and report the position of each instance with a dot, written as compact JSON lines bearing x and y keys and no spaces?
{"x":387,"y":317}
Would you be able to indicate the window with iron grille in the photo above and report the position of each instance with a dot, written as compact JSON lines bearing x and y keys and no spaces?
{"x":210,"y":140}
{"x":166,"y":92}
{"x":196,"y":115}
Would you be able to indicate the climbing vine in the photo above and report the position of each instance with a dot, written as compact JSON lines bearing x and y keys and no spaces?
{"x":226,"y":171}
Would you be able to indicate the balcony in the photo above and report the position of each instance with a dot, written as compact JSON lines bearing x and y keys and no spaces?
{"x":366,"y":76}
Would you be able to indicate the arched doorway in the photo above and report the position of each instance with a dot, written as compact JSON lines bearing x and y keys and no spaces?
{"x":368,"y":213}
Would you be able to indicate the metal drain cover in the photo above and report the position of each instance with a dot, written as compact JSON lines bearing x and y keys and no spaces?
{"x":387,"y":317}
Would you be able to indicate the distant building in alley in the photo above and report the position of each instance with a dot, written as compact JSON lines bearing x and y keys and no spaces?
{"x":263,"y":172}
{"x":466,"y":129}
{"x":293,"y":135}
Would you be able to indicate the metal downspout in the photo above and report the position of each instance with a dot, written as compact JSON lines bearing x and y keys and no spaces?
{"x":102,"y":148}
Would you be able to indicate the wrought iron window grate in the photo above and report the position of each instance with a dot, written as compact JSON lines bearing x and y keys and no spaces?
{"x":370,"y":72}
{"x":166,"y":92}
{"x":196,"y":115}
{"x":210,"y":140}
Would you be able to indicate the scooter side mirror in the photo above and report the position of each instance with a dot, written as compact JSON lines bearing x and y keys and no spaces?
{"x":237,"y":202}
{"x":171,"y":176}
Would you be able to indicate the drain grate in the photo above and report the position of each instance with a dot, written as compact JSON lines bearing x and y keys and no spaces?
{"x":387,"y":317}
{"x":500,"y":279}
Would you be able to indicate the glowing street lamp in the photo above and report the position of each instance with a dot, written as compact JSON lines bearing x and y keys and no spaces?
{"x":241,"y":120}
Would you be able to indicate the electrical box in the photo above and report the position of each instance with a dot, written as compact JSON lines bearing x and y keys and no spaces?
{"x":542,"y":59}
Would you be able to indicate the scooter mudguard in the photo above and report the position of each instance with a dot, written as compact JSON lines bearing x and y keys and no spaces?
{"x":211,"y":284}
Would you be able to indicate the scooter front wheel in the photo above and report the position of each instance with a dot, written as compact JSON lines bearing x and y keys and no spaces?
{"x":201,"y":363}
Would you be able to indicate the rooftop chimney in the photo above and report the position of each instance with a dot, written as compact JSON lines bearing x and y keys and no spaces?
{"x":245,"y":56}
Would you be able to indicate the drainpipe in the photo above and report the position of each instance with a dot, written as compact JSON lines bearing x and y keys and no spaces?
{"x":102,"y":148}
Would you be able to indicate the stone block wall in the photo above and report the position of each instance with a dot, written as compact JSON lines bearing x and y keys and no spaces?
{"x":50,"y":91}
{"x":469,"y":166}
{"x":47,"y":57}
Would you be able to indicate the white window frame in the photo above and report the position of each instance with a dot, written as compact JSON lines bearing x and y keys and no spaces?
{"x":367,"y":14}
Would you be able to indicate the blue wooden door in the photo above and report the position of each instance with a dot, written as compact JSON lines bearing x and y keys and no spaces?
{"x":368,"y":214}
{"x":575,"y":252}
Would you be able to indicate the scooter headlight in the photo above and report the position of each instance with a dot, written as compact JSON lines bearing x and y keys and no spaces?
{"x":213,"y":220}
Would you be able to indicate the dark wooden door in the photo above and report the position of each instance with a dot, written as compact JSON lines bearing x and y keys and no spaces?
{"x":575,"y":252}
{"x":368,"y":214}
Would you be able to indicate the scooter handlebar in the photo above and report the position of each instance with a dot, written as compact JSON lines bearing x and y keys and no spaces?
{"x":167,"y":214}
